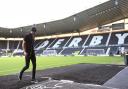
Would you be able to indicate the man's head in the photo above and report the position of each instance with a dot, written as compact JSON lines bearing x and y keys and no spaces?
{"x":33,"y":30}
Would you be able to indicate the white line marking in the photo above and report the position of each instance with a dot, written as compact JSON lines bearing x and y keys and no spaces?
{"x":49,"y":78}
{"x":58,"y":84}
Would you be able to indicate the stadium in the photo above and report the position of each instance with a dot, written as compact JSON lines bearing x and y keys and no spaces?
{"x":87,"y":50}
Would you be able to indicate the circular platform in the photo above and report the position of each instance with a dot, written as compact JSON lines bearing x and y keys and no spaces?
{"x":64,"y":84}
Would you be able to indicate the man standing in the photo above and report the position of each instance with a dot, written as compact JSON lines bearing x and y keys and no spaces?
{"x":28,"y":48}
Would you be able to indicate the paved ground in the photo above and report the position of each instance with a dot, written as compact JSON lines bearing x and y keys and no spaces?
{"x":120,"y":80}
{"x":81,"y":73}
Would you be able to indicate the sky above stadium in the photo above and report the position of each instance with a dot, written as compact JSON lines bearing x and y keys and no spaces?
{"x":18,"y":13}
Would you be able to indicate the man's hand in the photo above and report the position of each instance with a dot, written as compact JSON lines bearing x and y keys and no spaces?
{"x":25,"y":53}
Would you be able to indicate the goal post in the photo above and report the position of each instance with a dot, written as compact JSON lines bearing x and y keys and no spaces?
{"x":49,"y":52}
{"x":95,"y":51}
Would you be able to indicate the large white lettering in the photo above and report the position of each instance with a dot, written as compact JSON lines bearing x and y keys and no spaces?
{"x":121,"y":38}
{"x":96,"y":40}
{"x":75,"y":42}
{"x":44,"y":44}
{"x":57,"y":44}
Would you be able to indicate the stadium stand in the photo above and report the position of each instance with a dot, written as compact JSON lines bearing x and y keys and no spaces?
{"x":97,"y":39}
{"x":59,"y":42}
{"x":89,"y":44}
{"x":119,"y":38}
{"x":3,"y":44}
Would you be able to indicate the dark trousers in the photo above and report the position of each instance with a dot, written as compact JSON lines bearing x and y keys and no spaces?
{"x":29,"y":57}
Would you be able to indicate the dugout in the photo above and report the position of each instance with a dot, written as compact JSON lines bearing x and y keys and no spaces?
{"x":126,"y":59}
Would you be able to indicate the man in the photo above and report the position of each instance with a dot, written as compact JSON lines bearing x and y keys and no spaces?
{"x":28,"y":48}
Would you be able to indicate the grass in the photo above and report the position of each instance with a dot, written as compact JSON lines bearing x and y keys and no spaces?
{"x":12,"y":65}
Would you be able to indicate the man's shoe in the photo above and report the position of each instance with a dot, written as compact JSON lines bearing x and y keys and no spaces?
{"x":34,"y":81}
{"x":19,"y":77}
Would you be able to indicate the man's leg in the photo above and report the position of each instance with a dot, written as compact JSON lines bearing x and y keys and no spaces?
{"x":27,"y":62}
{"x":33,"y":59}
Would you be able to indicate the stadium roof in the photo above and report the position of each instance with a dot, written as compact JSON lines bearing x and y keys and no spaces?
{"x":102,"y":14}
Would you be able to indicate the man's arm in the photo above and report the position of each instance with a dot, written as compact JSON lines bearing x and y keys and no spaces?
{"x":24,"y":47}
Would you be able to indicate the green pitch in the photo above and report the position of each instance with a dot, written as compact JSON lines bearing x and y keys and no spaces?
{"x":12,"y":65}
